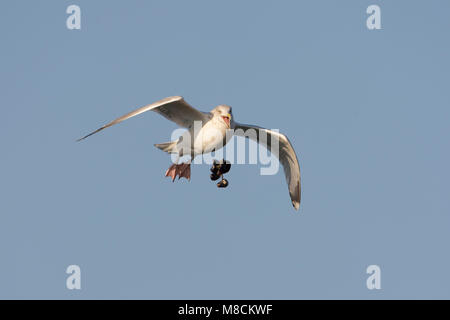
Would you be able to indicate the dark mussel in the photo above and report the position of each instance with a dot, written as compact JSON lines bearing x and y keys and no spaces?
{"x":225,"y":167}
{"x":215,"y":169}
{"x":223,"y":183}
{"x":214,"y":176}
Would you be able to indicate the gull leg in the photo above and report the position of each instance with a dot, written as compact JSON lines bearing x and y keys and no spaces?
{"x":181,"y":170}
{"x":184,"y":171}
{"x":172,"y":172}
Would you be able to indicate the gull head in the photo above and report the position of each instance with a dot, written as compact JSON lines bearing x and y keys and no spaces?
{"x":224,"y":113}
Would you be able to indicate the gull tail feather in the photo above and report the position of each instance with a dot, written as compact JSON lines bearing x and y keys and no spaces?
{"x":169,"y":147}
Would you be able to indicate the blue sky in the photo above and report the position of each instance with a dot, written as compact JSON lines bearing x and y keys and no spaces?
{"x":367,"y":112}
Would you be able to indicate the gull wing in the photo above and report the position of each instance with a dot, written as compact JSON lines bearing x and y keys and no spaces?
{"x":285,"y":154}
{"x":172,"y":108}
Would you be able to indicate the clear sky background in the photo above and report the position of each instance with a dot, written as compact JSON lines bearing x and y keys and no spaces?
{"x":367,"y":112}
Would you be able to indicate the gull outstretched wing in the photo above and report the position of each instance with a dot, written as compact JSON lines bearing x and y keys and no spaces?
{"x":285,"y":154}
{"x":172,"y":108}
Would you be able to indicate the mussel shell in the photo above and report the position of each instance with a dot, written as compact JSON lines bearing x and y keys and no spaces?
{"x":214,"y":176}
{"x":225,"y":167}
{"x":215,"y":171}
{"x":223,"y":183}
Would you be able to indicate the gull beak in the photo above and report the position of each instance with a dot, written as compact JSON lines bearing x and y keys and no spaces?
{"x":227,"y":119}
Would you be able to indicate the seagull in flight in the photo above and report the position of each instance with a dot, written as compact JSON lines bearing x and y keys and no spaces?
{"x":212,"y":136}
